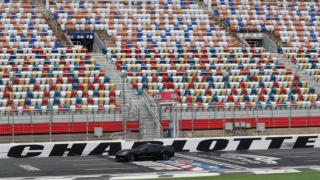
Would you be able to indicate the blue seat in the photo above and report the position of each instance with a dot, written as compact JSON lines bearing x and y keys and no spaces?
{"x":56,"y":101}
{"x":30,"y":94}
{"x":78,"y":101}
{"x":27,"y":101}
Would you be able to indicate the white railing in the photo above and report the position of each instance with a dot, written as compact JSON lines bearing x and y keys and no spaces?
{"x":154,"y":111}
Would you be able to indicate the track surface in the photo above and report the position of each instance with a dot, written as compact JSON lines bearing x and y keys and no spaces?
{"x":217,"y":162}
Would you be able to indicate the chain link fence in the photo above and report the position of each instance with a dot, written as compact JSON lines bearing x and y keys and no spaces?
{"x":67,"y":126}
{"x":81,"y":126}
{"x":241,"y":122}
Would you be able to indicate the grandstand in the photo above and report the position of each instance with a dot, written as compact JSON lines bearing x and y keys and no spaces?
{"x":187,"y":47}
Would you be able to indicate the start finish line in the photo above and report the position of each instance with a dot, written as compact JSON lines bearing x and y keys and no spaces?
{"x":28,"y":150}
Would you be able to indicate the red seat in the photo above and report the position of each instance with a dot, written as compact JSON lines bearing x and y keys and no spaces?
{"x":91,"y":86}
{"x":8,"y":87}
{"x":52,"y":86}
{"x":90,"y":100}
{"x":46,"y":94}
{"x":36,"y":87}
{"x":74,"y":93}
{"x":84,"y":93}
{"x":80,"y":86}
{"x":101,"y":86}
{"x":112,"y":93}
{"x":45,"y":101}
{"x":96,"y":79}
{"x":112,"y":100}
{"x":70,"y":80}
{"x":59,"y":80}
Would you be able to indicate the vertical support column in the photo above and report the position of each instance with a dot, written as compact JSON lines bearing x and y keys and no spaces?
{"x":193,"y":119}
{"x":159,"y":135}
{"x":13,"y":128}
{"x":123,"y":76}
{"x":87,"y":125}
{"x":50,"y":126}
{"x":174,"y":123}
{"x":290,"y":118}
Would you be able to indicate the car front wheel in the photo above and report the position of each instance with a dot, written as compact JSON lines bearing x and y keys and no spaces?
{"x":131,"y":157}
{"x":165,"y":156}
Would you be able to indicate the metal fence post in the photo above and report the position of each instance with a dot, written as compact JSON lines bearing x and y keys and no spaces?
{"x":224,"y":120}
{"x":123,"y":76}
{"x":31,"y":122}
{"x":193,"y":118}
{"x":87,"y":125}
{"x":290,"y":116}
{"x":13,"y":127}
{"x":272,"y":118}
{"x":308,"y":117}
{"x":160,"y":118}
{"x":128,"y":118}
{"x":50,"y":126}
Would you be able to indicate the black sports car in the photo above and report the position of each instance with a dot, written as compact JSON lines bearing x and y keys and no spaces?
{"x":146,"y":151}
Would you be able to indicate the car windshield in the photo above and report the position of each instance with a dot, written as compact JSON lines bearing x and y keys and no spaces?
{"x":142,"y":147}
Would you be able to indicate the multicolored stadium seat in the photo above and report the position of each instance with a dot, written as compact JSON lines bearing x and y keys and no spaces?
{"x":175,"y":46}
{"x":22,"y":26}
{"x":36,"y":74}
{"x":53,"y":79}
{"x":295,"y":23}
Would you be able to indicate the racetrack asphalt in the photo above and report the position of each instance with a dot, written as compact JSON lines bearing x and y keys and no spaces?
{"x":217,"y":162}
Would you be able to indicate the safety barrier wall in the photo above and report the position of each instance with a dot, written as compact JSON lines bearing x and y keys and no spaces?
{"x":45,"y":149}
{"x":70,"y":126}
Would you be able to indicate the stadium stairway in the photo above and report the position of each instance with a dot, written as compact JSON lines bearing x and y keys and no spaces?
{"x":106,"y":38}
{"x":61,"y":35}
{"x":242,"y":42}
{"x":134,"y":104}
{"x":281,"y":59}
{"x":295,"y":68}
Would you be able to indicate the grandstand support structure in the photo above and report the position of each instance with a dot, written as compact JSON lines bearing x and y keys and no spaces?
{"x":134,"y":104}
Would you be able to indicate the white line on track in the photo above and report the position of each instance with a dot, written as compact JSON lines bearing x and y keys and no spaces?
{"x":155,"y":165}
{"x":287,"y":153}
{"x":156,"y":176}
{"x":97,"y":164}
{"x":66,"y":177}
{"x":79,"y":160}
{"x":147,"y":176}
{"x":210,"y":161}
{"x":226,"y":159}
{"x":110,"y":168}
{"x":274,"y":171}
{"x":315,"y":168}
{"x":28,"y":167}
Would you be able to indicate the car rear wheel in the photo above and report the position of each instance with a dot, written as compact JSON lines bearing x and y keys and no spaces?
{"x":131,"y":157}
{"x":165,"y":156}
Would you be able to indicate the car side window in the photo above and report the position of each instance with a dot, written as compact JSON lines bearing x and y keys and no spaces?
{"x":154,"y":148}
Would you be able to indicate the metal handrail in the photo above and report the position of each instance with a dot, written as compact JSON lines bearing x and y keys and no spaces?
{"x":153,"y":109}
